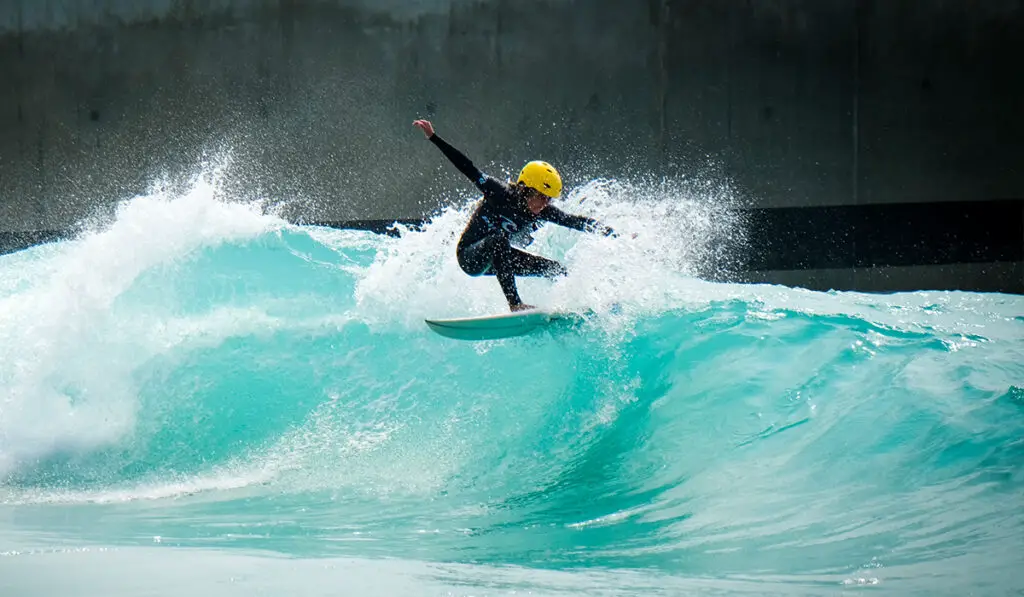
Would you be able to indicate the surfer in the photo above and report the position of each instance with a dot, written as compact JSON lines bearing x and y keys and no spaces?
{"x":507,"y":215}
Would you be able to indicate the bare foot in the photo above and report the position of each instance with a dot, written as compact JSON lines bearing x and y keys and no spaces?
{"x":522,"y":307}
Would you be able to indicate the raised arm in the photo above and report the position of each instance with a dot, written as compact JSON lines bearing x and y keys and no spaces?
{"x":463,"y":163}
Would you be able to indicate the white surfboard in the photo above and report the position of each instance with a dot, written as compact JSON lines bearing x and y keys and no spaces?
{"x":505,"y":325}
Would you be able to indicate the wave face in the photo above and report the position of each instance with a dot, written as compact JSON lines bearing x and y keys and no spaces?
{"x":200,"y":375}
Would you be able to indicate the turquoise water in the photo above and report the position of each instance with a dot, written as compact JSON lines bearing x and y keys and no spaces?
{"x":201,"y":399}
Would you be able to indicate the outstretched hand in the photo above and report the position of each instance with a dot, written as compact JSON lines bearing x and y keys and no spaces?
{"x":425,"y":126}
{"x":608,"y":231}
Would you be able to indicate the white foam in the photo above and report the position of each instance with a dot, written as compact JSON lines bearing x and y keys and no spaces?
{"x":66,"y":357}
{"x":677,"y":230}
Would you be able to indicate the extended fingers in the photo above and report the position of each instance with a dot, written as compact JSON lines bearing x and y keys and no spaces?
{"x":425,"y":126}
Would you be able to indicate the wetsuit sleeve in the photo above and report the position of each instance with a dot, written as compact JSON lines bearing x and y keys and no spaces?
{"x":487,"y":184}
{"x":556,"y":216}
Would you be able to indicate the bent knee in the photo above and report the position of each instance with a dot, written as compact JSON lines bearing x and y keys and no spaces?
{"x":474,"y":268}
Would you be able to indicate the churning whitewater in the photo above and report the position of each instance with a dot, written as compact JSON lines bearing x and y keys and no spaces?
{"x":196,"y":376}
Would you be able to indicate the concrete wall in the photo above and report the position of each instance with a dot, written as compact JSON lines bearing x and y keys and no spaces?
{"x":800,"y":103}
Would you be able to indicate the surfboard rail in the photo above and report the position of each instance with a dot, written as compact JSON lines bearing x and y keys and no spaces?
{"x":495,"y":327}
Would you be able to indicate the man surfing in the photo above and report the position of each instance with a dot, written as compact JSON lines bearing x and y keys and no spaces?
{"x":507,"y":213}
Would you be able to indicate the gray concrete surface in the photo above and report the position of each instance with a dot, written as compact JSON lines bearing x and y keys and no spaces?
{"x":794,"y":102}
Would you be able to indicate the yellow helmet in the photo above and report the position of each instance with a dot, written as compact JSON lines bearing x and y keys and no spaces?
{"x":542,"y":177}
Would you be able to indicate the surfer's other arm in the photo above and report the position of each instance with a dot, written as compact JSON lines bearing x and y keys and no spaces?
{"x":582,"y":223}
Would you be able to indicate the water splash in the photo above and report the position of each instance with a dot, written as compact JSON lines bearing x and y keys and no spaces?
{"x":194,"y":380}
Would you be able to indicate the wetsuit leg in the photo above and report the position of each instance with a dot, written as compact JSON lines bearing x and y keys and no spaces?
{"x":495,"y":256}
{"x":477,"y":259}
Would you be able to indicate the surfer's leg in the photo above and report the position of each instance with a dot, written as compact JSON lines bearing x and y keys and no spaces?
{"x":509,"y":263}
{"x":507,"y":280}
{"x":476,"y":259}
{"x":503,"y":269}
{"x":527,"y":264}
{"x":495,"y":256}
{"x":490,"y":257}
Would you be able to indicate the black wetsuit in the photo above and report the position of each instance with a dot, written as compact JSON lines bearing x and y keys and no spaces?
{"x":502,"y":218}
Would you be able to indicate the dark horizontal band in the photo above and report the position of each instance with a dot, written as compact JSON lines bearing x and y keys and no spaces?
{"x":881,"y":235}
{"x":800,"y":238}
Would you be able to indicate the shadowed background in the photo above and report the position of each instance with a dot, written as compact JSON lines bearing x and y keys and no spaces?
{"x":870,"y":145}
